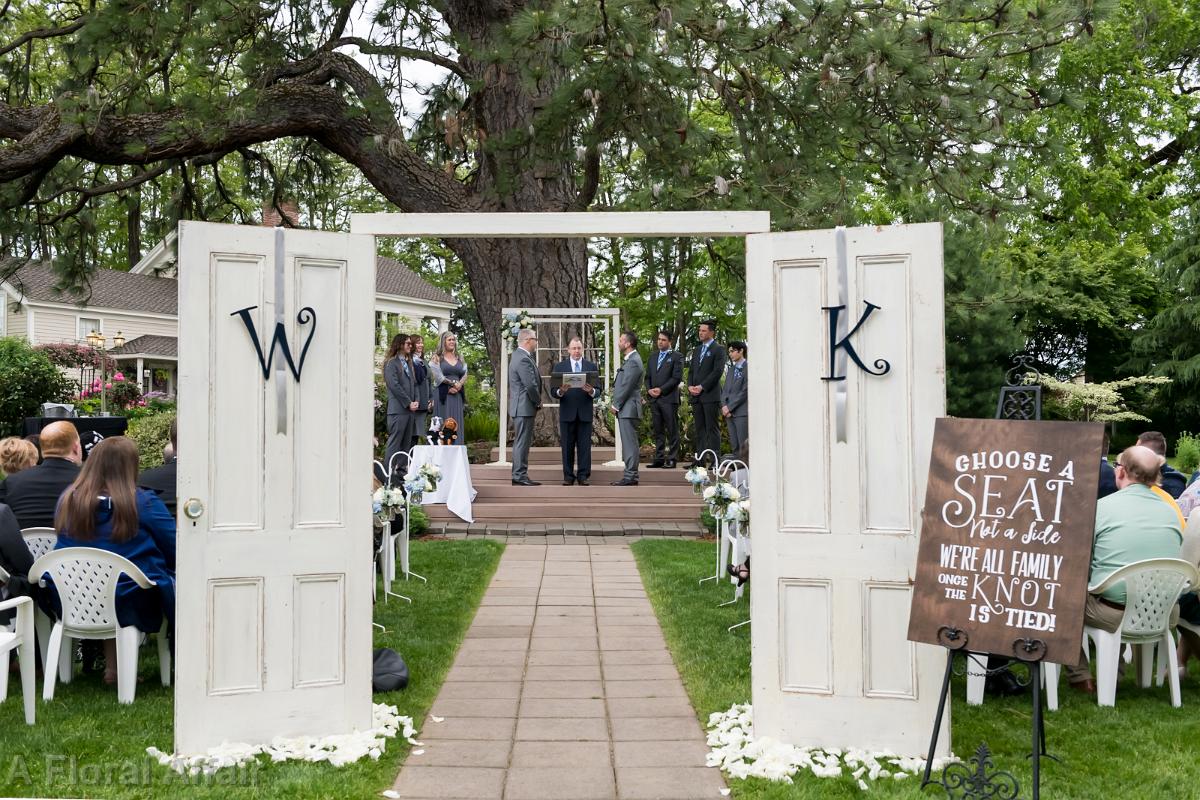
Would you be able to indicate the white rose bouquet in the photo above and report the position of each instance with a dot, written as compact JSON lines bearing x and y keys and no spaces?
{"x":385,"y":502}
{"x":697,"y":477}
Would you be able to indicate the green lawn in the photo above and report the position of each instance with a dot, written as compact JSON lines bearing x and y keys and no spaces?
{"x":1141,"y":748}
{"x":86,"y":745}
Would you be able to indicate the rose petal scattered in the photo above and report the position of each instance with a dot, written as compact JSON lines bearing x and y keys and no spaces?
{"x":735,"y":750}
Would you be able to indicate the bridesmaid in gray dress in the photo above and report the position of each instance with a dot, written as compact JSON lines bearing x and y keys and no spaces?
{"x":449,"y":382}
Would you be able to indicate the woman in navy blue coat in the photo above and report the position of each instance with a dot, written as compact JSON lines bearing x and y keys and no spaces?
{"x":105,"y":509}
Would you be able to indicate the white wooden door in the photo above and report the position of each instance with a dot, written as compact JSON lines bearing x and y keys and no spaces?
{"x":836,"y":508}
{"x":274,"y":570}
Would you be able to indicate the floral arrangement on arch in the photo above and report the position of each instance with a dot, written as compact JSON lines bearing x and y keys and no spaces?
{"x":424,"y":479}
{"x":513,"y":323}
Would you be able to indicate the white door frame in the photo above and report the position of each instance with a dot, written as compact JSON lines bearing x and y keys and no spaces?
{"x":561,"y":225}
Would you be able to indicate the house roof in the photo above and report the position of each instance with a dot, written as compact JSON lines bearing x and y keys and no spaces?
{"x":106,"y":288}
{"x":127,"y":291}
{"x":163,"y":346}
{"x":392,"y":277}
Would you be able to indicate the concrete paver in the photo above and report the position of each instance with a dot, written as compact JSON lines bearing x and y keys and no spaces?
{"x":563,"y":688}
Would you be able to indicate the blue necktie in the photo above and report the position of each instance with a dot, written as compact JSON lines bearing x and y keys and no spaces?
{"x":661,"y":357}
{"x":704,"y":351}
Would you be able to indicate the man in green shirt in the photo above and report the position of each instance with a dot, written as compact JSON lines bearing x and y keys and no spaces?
{"x":1133,"y":524}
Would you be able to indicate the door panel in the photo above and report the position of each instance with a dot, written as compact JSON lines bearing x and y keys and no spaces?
{"x":274,"y":577}
{"x":835,"y":522}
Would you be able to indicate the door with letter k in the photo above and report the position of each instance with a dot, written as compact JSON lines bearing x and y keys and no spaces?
{"x":274,"y":538}
{"x":846,"y":333}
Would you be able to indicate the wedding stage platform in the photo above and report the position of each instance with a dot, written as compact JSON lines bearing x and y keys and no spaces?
{"x":662,"y":495}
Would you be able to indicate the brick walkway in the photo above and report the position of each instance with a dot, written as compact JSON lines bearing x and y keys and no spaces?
{"x":563,"y":689}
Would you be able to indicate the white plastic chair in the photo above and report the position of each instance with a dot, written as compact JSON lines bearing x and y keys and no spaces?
{"x":977,"y":681}
{"x":86,"y":581}
{"x":21,"y":639}
{"x":40,"y":541}
{"x":1152,"y":588}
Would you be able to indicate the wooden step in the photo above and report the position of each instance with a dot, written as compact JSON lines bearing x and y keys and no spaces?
{"x":597,"y":491}
{"x":571,"y":512}
{"x":553,"y":455}
{"x":481,"y":473}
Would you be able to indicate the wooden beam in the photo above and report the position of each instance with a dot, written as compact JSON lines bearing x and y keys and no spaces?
{"x":567,"y":225}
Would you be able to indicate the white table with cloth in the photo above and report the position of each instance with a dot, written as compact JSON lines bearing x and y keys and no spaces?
{"x":455,"y":489}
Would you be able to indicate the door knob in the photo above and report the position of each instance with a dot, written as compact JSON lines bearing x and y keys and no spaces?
{"x":193,"y":508}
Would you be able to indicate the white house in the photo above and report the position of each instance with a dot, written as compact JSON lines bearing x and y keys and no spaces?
{"x":142,"y":307}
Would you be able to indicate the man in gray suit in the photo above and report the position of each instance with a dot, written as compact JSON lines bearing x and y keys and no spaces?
{"x":733,"y":397}
{"x":627,"y":405}
{"x":402,"y":400}
{"x":524,"y":400}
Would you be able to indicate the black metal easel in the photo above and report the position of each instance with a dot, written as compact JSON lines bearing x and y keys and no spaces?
{"x":981,"y":783}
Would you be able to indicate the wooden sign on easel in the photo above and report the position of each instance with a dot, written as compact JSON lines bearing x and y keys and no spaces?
{"x":1006,"y":536}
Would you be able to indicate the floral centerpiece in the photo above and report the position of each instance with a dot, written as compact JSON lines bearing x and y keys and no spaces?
{"x":385,"y":503}
{"x":512,"y":325}
{"x":697,"y":477}
{"x":723,"y":500}
{"x":424,"y":479}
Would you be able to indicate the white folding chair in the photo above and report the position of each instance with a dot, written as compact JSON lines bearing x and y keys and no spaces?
{"x":86,"y":581}
{"x":19,"y":637}
{"x":40,"y":541}
{"x":1152,"y":587}
{"x":977,"y":680}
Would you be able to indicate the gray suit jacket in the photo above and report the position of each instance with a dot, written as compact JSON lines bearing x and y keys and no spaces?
{"x":401,"y":384}
{"x":627,"y":396}
{"x":524,"y":385}
{"x":733,"y":393}
{"x":423,"y":388}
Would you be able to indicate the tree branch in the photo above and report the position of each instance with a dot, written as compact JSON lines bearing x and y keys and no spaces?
{"x":400,"y":51}
{"x":42,"y":33}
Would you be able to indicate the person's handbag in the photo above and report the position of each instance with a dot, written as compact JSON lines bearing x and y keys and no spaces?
{"x":388,"y":672}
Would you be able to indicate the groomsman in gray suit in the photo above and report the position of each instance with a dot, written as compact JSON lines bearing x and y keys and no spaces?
{"x":524,"y":400}
{"x":733,"y":397}
{"x":627,"y":405}
{"x":402,"y":399}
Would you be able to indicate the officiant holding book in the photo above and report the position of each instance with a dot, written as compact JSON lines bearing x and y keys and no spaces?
{"x":574,"y":385}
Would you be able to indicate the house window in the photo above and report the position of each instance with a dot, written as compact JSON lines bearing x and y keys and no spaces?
{"x":86,"y":325}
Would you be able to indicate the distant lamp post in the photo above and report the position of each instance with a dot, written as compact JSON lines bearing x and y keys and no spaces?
{"x":99,"y":343}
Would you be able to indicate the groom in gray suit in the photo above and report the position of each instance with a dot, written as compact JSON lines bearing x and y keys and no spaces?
{"x":627,"y":405}
{"x":524,"y":400}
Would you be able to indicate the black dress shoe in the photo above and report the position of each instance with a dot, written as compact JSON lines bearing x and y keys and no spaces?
{"x":670,"y":464}
{"x":584,"y":482}
{"x":526,"y":482}
{"x":568,"y":482}
{"x":625,"y":482}
{"x":655,"y":465}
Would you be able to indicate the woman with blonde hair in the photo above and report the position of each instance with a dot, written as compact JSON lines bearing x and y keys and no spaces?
{"x":16,"y":454}
{"x":449,"y":380}
{"x":104,"y":508}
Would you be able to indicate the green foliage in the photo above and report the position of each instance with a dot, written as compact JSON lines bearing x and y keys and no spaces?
{"x":1097,"y":402}
{"x":1187,"y":453}
{"x":418,"y":521}
{"x":482,"y":426}
{"x":27,"y":379}
{"x":151,"y":433}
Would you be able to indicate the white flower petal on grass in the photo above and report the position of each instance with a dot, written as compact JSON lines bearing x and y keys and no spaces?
{"x":734,"y":749}
{"x":437,"y":719}
{"x":391,"y":794}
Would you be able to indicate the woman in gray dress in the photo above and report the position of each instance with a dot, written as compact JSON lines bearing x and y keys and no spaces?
{"x":449,"y":373}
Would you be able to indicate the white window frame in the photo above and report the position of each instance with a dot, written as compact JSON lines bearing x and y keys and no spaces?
{"x":79,"y":318}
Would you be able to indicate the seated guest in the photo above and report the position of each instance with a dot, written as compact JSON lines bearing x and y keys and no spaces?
{"x":1173,"y":481}
{"x":16,"y":455}
{"x":33,"y":493}
{"x":1189,"y":501}
{"x":35,"y":439}
{"x":1132,"y":525}
{"x":105,"y":509}
{"x":1189,"y":604}
{"x":162,"y":480}
{"x":15,"y":559}
{"x":1108,"y":478}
